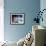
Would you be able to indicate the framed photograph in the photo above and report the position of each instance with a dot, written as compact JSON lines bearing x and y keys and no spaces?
{"x":17,"y":18}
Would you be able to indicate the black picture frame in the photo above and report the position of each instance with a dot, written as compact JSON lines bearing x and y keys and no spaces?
{"x":17,"y":18}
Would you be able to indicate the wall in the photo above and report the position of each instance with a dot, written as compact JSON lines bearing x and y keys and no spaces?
{"x":29,"y":7}
{"x":1,"y":21}
{"x":43,"y":6}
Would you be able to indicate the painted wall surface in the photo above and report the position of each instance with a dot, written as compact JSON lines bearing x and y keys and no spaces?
{"x":28,"y":7}
{"x":1,"y":20}
{"x":43,"y":6}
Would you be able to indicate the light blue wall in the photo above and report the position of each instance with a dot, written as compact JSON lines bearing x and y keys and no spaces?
{"x":43,"y":6}
{"x":29,"y":7}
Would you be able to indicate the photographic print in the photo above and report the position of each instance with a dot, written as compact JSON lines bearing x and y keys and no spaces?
{"x":17,"y":18}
